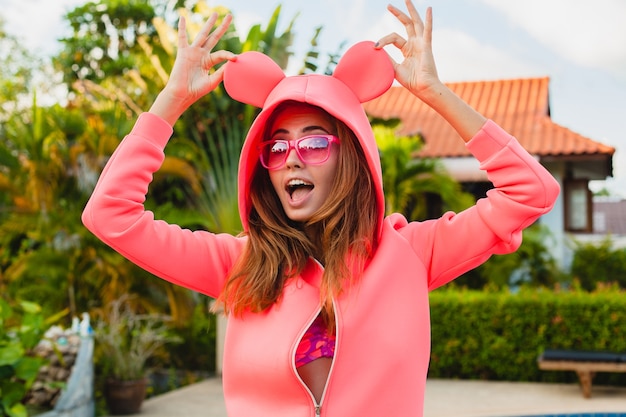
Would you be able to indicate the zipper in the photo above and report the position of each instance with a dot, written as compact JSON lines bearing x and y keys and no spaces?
{"x":316,"y":406}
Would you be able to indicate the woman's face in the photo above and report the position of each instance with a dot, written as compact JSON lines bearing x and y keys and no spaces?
{"x":303,"y":188}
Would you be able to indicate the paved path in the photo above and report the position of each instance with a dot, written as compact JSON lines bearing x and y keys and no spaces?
{"x":498,"y":399}
{"x":444,"y":398}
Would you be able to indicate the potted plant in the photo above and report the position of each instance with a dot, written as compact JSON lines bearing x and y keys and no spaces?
{"x":127,"y":340}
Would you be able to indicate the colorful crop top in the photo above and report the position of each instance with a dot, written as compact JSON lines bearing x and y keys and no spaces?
{"x":316,"y":343}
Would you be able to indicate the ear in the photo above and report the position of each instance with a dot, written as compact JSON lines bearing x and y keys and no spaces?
{"x":367,"y":71}
{"x":252,"y":77}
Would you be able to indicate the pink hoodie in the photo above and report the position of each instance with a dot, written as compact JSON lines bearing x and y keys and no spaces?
{"x":383,"y":325}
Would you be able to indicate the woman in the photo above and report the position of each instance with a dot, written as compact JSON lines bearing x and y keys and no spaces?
{"x":327,"y":299}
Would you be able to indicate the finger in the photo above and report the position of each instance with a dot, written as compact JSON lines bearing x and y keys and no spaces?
{"x":218,"y":75}
{"x":216,"y":58}
{"x":415,"y":16}
{"x":217,"y":34}
{"x":404,"y":19}
{"x":428,"y":26}
{"x":222,"y":55}
{"x":182,"y":33}
{"x":202,"y":36}
{"x":391,"y":39}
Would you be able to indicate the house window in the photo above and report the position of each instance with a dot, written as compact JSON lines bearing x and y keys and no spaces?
{"x":578,"y":213}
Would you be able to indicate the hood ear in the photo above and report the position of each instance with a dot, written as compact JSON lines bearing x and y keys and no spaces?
{"x":252,"y":77}
{"x":367,"y":71}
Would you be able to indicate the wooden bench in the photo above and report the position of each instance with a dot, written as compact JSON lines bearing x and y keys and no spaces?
{"x":584,"y":363}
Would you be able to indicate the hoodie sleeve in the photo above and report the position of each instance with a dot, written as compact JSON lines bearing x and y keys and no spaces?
{"x":524,"y":191}
{"x":115,"y":213}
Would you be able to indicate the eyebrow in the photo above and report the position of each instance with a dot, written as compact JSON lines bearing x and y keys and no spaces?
{"x":305,"y":130}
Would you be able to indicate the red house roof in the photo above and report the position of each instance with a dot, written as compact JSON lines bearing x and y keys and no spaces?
{"x":520,"y":106}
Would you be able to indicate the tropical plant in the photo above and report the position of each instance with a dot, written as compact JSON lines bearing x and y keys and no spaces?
{"x":312,"y":63}
{"x":531,"y":265}
{"x":128,"y":339}
{"x":409,"y":181}
{"x":39,"y":198}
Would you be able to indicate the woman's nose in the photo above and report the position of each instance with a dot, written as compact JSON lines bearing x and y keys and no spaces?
{"x":293,"y":160}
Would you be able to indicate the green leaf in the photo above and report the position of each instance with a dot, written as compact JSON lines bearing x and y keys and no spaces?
{"x":5,"y":310}
{"x":12,"y":393}
{"x":30,"y":307}
{"x":253,"y":39}
{"x":6,"y":372}
{"x":27,"y":369}
{"x":17,"y":410}
{"x":56,"y":317}
{"x":10,"y":354}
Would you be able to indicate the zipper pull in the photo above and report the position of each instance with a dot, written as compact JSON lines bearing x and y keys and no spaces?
{"x":318,"y":410}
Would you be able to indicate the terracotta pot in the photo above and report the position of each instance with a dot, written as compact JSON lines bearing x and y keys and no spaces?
{"x":124,"y":397}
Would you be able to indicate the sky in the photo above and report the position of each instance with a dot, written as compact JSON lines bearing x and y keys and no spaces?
{"x":579,"y":44}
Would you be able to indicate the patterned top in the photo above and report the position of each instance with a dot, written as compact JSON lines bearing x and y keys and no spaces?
{"x":316,"y":343}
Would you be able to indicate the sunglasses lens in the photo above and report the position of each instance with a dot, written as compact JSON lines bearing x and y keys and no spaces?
{"x":314,"y":149}
{"x":310,"y":149}
{"x":274,"y":153}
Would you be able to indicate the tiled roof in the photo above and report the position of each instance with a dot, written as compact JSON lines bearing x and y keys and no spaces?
{"x":520,"y":106}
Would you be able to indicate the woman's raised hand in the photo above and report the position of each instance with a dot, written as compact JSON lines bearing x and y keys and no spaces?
{"x":417,"y":72}
{"x":194,"y":73}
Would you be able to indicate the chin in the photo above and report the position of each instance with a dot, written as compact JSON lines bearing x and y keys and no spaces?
{"x":299,"y":218}
{"x":300,"y":214}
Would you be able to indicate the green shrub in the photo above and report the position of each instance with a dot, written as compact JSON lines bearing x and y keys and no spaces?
{"x":499,"y":335}
{"x":21,"y":329}
{"x":531,"y":265}
{"x":599,"y":263}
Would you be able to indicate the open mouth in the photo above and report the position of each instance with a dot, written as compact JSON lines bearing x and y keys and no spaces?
{"x":298,"y":189}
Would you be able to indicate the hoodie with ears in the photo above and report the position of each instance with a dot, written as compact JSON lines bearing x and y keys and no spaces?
{"x":383,"y":325}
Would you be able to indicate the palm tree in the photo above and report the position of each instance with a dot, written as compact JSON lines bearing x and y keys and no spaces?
{"x":36,"y":147}
{"x":408,"y":181}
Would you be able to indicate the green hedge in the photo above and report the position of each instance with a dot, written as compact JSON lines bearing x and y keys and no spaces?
{"x":498,"y":336}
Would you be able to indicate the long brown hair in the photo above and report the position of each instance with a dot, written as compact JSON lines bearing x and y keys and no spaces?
{"x":341,"y":234}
